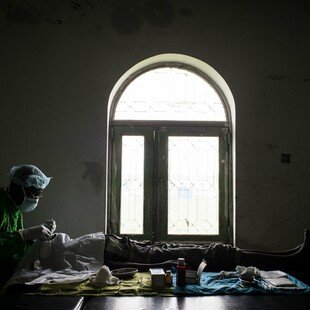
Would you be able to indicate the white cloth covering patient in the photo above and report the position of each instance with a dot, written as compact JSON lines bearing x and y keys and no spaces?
{"x":61,"y":260}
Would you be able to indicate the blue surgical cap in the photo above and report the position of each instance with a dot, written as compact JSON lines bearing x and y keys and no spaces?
{"x":29,"y":175}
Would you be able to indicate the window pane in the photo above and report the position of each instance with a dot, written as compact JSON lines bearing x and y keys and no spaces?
{"x":193,"y":185}
{"x":170,"y":94}
{"x":132,"y":187}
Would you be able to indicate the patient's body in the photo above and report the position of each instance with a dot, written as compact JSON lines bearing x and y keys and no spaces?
{"x":86,"y":254}
{"x":123,"y":252}
{"x":120,"y":251}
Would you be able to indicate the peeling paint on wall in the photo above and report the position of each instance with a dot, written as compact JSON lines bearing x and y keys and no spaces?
{"x":128,"y":17}
{"x":24,"y":13}
{"x":83,"y":8}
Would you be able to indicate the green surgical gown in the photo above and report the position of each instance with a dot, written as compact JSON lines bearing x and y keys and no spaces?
{"x":12,"y":247}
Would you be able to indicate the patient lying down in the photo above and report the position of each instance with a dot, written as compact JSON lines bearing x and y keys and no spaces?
{"x":64,"y":260}
{"x":124,"y":252}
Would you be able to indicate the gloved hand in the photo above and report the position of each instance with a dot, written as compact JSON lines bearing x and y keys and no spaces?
{"x":50,"y":224}
{"x":36,"y":232}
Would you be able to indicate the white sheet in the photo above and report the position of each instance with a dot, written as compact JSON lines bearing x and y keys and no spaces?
{"x":63,"y":258}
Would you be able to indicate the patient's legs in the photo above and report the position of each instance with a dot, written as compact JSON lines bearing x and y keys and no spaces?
{"x":226,"y":257}
{"x":305,"y":244}
{"x":128,"y":253}
{"x":218,"y":256}
{"x":297,"y":258}
{"x":192,"y":255}
{"x":287,"y":252}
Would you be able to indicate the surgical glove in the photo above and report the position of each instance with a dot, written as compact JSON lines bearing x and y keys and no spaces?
{"x":36,"y":232}
{"x":50,"y":224}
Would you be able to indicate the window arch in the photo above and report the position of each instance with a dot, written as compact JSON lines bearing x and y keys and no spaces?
{"x":170,"y":164}
{"x":170,"y":93}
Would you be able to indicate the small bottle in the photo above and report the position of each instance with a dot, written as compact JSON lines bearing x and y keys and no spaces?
{"x":181,"y":272}
{"x":168,"y":277}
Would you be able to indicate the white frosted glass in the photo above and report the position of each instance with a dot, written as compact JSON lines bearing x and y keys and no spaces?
{"x":193,"y":185}
{"x":132,"y":185}
{"x":170,"y":94}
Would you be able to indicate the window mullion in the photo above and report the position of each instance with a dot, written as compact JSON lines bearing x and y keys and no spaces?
{"x":155,"y":184}
{"x":162,"y":183}
{"x":114,"y":209}
{"x":224,"y":183}
{"x":148,"y":183}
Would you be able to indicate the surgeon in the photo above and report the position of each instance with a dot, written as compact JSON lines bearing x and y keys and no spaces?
{"x":25,"y":188}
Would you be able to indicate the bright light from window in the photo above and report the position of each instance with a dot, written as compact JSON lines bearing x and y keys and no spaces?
{"x":170,"y":94}
{"x":193,"y":185}
{"x":132,"y":186}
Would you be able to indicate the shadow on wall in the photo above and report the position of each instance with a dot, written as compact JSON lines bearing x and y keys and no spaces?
{"x":94,"y":172}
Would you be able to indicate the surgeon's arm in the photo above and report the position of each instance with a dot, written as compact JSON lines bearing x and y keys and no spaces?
{"x":39,"y":232}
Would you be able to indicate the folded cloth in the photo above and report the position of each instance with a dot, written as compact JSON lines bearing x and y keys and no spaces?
{"x":60,"y":277}
{"x":281,"y":282}
{"x":103,"y":277}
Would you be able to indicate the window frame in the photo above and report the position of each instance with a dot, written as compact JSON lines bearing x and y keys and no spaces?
{"x":226,"y":210}
{"x":206,"y":131}
{"x":168,"y":64}
{"x":118,"y":132}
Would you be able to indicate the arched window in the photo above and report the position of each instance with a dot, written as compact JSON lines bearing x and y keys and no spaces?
{"x":169,"y":156}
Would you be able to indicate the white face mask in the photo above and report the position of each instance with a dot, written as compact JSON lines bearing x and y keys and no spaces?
{"x":29,"y":204}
